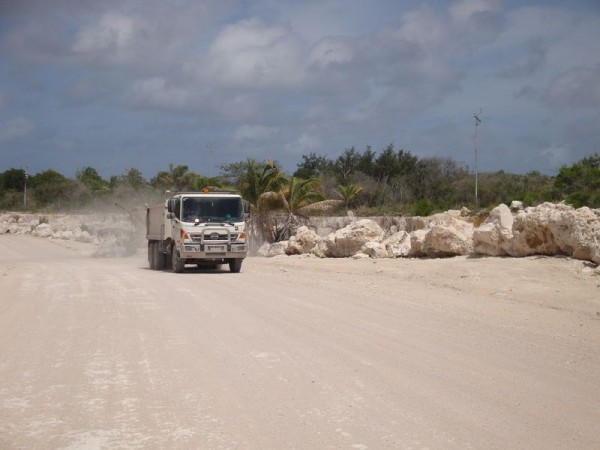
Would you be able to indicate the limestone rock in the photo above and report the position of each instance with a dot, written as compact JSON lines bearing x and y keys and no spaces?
{"x":417,"y":238}
{"x":43,"y":230}
{"x":375,"y":250}
{"x":277,"y":249}
{"x":398,"y":244}
{"x":263,"y":250}
{"x":494,"y":236}
{"x":349,"y":240}
{"x":551,"y":229}
{"x":516,"y":205}
{"x":450,"y":238}
{"x":302,"y":242}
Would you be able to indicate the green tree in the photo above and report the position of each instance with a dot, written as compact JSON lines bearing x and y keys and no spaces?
{"x":50,"y":188}
{"x":346,"y":164}
{"x":311,"y":166}
{"x":297,"y":197}
{"x":179,"y":178}
{"x":580,"y":183}
{"x":348,"y":193}
{"x":366,"y":162}
{"x":89,"y":177}
{"x":200,"y":182}
{"x":12,"y":180}
{"x":133,"y":178}
{"x":233,"y":174}
{"x":256,"y":180}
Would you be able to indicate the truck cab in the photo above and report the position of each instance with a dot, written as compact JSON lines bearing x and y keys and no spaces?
{"x":205,"y":228}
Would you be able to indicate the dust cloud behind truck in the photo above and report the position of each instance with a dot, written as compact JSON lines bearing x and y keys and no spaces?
{"x":206,"y":229}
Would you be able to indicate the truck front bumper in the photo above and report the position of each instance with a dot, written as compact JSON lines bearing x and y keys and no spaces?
{"x":213,"y":251}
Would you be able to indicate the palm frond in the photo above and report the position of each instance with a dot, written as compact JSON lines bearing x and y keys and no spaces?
{"x":321,"y":206}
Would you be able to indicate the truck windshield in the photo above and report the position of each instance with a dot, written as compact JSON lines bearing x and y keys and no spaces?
{"x":212,"y":209}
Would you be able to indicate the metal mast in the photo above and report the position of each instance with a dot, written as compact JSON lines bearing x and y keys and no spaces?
{"x":477,"y":122}
{"x":25,"y":188}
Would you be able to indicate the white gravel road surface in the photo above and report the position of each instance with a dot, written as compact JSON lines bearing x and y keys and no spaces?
{"x":296,"y":353}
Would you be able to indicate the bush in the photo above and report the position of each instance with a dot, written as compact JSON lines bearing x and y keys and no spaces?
{"x":423,"y":207}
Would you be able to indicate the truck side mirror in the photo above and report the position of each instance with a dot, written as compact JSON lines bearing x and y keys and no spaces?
{"x":246,"y":206}
{"x":170,"y":204}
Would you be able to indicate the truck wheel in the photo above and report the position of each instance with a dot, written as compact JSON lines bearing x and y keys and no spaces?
{"x":159,"y":257}
{"x":151,"y":255}
{"x":177,"y":263}
{"x":235,"y":265}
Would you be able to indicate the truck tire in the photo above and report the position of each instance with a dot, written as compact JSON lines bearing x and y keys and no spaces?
{"x":235,"y":265}
{"x":159,"y":257}
{"x":177,"y":264}
{"x":151,"y":255}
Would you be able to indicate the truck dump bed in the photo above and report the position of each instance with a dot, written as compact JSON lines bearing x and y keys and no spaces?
{"x":155,"y":222}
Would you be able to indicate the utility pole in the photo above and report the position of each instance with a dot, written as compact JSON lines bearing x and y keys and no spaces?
{"x":477,"y":122}
{"x":25,"y":188}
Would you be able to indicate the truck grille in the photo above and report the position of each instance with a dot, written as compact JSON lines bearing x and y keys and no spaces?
{"x":214,"y":236}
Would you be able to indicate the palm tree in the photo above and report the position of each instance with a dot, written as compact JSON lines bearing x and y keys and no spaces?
{"x":200,"y":182}
{"x":258,"y":180}
{"x":348,"y":193}
{"x":298,"y":198}
{"x":177,"y":177}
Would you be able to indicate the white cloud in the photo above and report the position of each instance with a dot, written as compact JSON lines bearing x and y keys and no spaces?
{"x":464,"y":10}
{"x":574,"y":89}
{"x":252,"y":54}
{"x":423,"y":26}
{"x":534,"y":59}
{"x":113,"y":31}
{"x":155,"y":92}
{"x":15,"y":128}
{"x":303,"y":144}
{"x":331,"y":51}
{"x":557,"y":155}
{"x":253,"y":132}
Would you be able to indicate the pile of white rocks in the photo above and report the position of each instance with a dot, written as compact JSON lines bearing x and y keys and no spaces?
{"x":112,"y":234}
{"x":547,"y":229}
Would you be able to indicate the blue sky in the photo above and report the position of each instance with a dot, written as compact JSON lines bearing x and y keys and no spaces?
{"x":121,"y":84}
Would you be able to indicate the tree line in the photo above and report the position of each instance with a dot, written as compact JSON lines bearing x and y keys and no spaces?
{"x":387,"y":182}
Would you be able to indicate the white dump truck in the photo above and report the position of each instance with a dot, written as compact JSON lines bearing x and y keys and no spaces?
{"x":205,"y":228}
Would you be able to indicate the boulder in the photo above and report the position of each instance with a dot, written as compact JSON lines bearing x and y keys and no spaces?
{"x":375,"y":250}
{"x":275,"y":249}
{"x":494,"y":236}
{"x":417,"y":238}
{"x":263,"y":249}
{"x":452,"y":237}
{"x":398,"y":244}
{"x":446,"y":235}
{"x":302,"y":242}
{"x":322,"y":249}
{"x":350,"y":239}
{"x":557,"y":229}
{"x":516,"y":205}
{"x":43,"y":230}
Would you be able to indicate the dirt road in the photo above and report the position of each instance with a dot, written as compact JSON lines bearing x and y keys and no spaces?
{"x":296,"y":353}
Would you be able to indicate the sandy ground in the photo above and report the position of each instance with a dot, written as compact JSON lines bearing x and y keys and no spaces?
{"x":296,"y":352}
